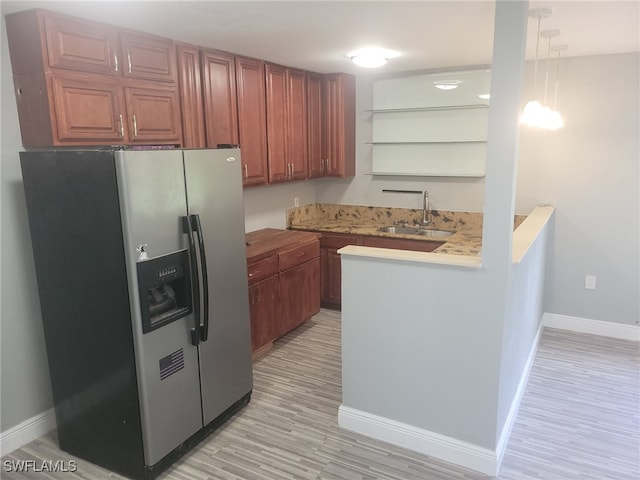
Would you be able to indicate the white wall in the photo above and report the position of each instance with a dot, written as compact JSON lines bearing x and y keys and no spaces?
{"x":365,"y":189}
{"x":266,"y":206}
{"x":25,"y":388}
{"x":589,"y":171}
{"x":423,"y":343}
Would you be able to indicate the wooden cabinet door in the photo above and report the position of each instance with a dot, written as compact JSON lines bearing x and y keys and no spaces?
{"x":331,"y":267}
{"x":276,"y":81}
{"x":190,"y":88}
{"x":299,"y":295}
{"x":77,"y":44}
{"x":310,"y":289}
{"x":315,"y":135}
{"x":297,"y":145}
{"x":263,"y":306}
{"x":339,"y":118}
{"x":290,"y":303}
{"x":154,"y":115}
{"x":148,"y":57}
{"x":252,"y":120}
{"x":220,"y":104}
{"x":87,"y":111}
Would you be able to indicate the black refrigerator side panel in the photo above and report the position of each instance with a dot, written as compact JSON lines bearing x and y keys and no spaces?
{"x":76,"y":231}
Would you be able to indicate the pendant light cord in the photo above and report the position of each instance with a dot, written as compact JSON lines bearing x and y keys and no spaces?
{"x":555,"y":93}
{"x":535,"y":63}
{"x":546,"y":75}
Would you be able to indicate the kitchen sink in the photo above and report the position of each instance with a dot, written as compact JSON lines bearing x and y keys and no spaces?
{"x":425,"y":232}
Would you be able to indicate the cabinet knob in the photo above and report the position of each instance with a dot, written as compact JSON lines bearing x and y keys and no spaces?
{"x":135,"y":126}
{"x":121,"y":125}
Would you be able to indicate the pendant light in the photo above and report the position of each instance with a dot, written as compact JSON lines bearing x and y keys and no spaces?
{"x":531,"y":113}
{"x":557,"y":121}
{"x":546,"y":114}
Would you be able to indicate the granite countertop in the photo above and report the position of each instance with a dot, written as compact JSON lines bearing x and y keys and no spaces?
{"x":366,"y":220}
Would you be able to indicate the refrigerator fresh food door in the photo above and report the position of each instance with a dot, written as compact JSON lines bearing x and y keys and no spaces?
{"x":152,"y":203}
{"x":214,"y":193}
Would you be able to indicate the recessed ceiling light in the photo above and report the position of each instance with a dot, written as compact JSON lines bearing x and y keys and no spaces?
{"x":369,"y":60}
{"x":447,"y":84}
{"x":371,"y":57}
{"x":484,"y":96}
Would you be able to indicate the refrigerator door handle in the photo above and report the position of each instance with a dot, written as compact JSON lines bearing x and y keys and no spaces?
{"x":188,"y":229}
{"x":204,"y":327}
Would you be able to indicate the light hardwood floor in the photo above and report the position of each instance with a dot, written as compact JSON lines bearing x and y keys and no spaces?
{"x":579,"y":419}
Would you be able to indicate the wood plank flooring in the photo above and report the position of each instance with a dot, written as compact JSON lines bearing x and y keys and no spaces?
{"x":579,"y":419}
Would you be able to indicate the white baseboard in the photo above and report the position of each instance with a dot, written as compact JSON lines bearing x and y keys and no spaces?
{"x":27,"y":431}
{"x":503,"y":440}
{"x":419,"y":440}
{"x":594,"y":327}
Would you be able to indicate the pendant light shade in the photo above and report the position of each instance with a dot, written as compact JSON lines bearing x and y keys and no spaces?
{"x":539,"y":114}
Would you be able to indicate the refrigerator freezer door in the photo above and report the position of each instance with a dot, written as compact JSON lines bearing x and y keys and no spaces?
{"x":214,"y":192}
{"x":152,"y":203}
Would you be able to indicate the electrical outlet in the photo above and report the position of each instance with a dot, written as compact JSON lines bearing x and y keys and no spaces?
{"x":296,"y":202}
{"x":590,"y":282}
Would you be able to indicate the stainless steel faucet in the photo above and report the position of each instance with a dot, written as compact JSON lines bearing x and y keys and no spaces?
{"x":426,"y":212}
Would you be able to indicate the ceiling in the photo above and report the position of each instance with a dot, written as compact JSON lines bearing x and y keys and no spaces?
{"x":317,"y":35}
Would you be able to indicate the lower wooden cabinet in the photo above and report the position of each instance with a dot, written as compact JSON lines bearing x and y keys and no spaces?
{"x":331,"y":267}
{"x":284,"y":283}
{"x":299,"y":295}
{"x":263,"y":308}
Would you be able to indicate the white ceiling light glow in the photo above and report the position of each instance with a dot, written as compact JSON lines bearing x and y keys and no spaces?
{"x":447,"y":84}
{"x":371,"y":57}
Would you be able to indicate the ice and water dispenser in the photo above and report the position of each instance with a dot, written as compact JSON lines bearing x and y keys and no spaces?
{"x":164,"y":284}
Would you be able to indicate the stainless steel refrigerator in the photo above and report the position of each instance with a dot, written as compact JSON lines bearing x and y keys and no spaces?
{"x":141,"y":268}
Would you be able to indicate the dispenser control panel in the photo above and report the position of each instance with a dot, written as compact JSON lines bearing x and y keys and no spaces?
{"x":164,"y":284}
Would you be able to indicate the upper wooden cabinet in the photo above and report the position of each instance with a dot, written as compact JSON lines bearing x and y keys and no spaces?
{"x":89,"y":109}
{"x":148,"y":57}
{"x":79,"y":82}
{"x":153,"y":112}
{"x":85,"y":110}
{"x":286,"y":123}
{"x":76,"y":44}
{"x":43,"y":40}
{"x":190,"y":88}
{"x":250,"y":86}
{"x":315,"y":136}
{"x":331,"y":110}
{"x":83,"y":83}
{"x":219,"y":93}
{"x":339,"y":101}
{"x":279,"y":166}
{"x":297,"y":141}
